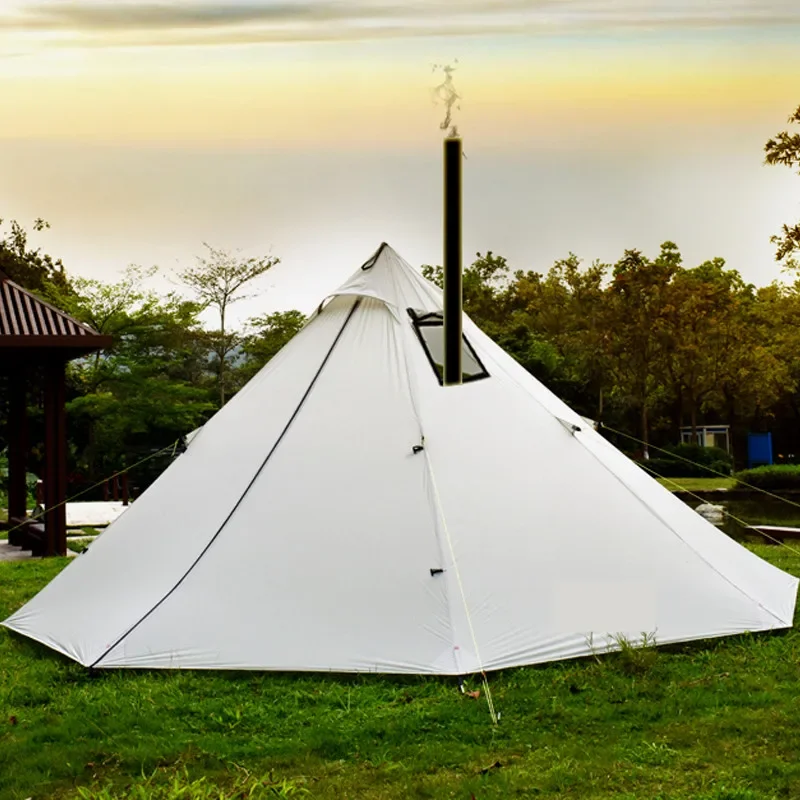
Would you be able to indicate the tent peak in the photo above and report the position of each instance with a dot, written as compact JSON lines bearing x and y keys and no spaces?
{"x":370,"y":262}
{"x":389,"y":278}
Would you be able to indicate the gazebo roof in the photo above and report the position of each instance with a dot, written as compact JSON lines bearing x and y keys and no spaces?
{"x":29,"y":324}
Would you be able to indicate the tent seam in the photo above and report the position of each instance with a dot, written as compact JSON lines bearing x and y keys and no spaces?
{"x":441,"y":517}
{"x":436,"y":512}
{"x":243,"y":495}
{"x":677,"y":535}
{"x":638,"y":498}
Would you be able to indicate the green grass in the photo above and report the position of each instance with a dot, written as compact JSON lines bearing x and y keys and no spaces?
{"x":697,"y":484}
{"x":714,"y":721}
{"x":79,"y":545}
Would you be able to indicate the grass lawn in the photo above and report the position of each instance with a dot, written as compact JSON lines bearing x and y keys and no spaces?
{"x":710,"y":721}
{"x":697,"y":484}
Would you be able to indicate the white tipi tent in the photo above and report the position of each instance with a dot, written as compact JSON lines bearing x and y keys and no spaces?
{"x":346,"y":512}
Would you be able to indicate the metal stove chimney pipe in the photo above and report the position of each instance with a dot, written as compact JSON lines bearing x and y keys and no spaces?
{"x":453,"y":156}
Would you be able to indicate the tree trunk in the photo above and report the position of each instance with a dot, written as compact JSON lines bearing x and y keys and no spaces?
{"x":645,"y":440}
{"x":677,"y":412}
{"x":17,"y":437}
{"x":91,"y":449}
{"x":221,"y":378}
{"x":694,"y":420}
{"x":221,"y":355}
{"x":730,"y":408}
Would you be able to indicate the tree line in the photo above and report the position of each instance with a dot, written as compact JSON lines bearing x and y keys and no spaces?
{"x":646,"y":345}
{"x":166,"y":372}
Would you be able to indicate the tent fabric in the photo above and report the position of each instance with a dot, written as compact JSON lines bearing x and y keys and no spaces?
{"x":346,"y":512}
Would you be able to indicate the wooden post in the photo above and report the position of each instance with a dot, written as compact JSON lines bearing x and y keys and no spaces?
{"x":125,"y":491}
{"x":55,"y":447}
{"x":452,"y":261}
{"x":115,"y":487}
{"x":17,"y":445}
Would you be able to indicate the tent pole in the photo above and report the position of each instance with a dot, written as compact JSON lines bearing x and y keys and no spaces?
{"x":452,"y":261}
{"x":55,"y":475}
{"x":17,"y":445}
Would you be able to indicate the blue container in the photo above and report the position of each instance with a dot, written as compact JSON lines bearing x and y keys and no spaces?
{"x":759,"y":449}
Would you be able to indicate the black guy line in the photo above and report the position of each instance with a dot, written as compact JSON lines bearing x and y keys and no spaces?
{"x":244,"y":494}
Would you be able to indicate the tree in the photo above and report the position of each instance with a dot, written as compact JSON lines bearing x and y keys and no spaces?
{"x":785,"y":149}
{"x":633,"y":324}
{"x":752,"y":375}
{"x":144,"y":391}
{"x":552,"y":329}
{"x":771,"y":337}
{"x":701,"y":307}
{"x":482,"y":284}
{"x":31,"y":269}
{"x":218,"y":281}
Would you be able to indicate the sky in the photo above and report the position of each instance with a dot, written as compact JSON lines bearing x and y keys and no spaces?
{"x":308,"y":130}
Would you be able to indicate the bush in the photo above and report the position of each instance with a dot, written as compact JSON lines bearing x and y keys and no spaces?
{"x":690,"y":461}
{"x":773,"y":478}
{"x":30,"y":479}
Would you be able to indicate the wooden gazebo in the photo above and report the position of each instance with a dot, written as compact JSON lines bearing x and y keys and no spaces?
{"x":36,"y":337}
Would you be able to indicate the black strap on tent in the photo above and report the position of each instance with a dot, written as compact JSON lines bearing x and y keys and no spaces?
{"x":244,"y":493}
{"x":371,"y":261}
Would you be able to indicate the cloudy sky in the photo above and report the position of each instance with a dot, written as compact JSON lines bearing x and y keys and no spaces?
{"x":307,"y":128}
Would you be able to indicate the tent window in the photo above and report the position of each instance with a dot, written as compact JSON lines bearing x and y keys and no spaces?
{"x":429,"y":330}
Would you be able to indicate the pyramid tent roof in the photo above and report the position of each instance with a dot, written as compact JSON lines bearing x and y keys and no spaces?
{"x":346,"y":512}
